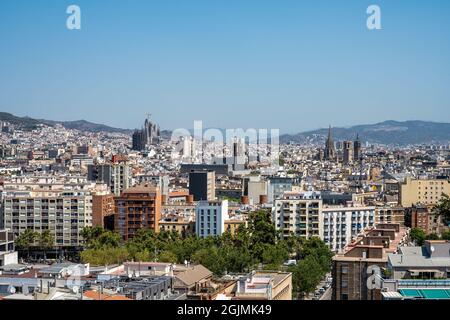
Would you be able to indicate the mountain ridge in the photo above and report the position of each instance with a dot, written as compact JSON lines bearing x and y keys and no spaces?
{"x":386,"y":132}
{"x":29,"y":123}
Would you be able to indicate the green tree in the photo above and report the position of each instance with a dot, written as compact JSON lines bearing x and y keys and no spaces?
{"x":432,"y":236}
{"x":306,"y":275}
{"x":105,"y":256}
{"x":109,"y":239}
{"x":418,"y":236}
{"x":26,"y":240}
{"x":167,"y":256}
{"x":443,"y":207}
{"x":445,"y":235}
{"x":261,"y":227}
{"x":90,"y":234}
{"x":273,"y":256}
{"x":211,"y":259}
{"x":317,"y":249}
{"x":141,"y":256}
{"x":45,"y":241}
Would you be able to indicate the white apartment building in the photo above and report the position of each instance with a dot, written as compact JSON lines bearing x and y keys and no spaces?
{"x":341,"y":224}
{"x":62,"y":205}
{"x":210,"y":218}
{"x":299,"y":214}
{"x":303,"y":214}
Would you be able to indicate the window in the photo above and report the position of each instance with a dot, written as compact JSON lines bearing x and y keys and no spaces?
{"x":344,"y":269}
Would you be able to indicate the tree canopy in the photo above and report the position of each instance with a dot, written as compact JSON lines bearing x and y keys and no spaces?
{"x":256,"y":246}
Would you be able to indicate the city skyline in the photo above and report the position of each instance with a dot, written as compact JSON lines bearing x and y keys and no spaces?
{"x":228,"y":64}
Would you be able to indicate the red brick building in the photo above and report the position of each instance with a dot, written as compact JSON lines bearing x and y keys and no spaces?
{"x":136,"y":208}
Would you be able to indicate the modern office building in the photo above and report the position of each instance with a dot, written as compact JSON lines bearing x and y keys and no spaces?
{"x":210,"y":218}
{"x":277,"y":186}
{"x":137,"y":207}
{"x":202,"y":185}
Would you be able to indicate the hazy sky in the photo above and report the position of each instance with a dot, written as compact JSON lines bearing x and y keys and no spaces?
{"x":288,"y":64}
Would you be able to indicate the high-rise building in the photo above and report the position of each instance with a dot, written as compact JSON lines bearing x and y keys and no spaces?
{"x":348,"y":152}
{"x":138,"y":140}
{"x":63,"y":207}
{"x":117,"y":175}
{"x":329,"y":152}
{"x":277,"y":186}
{"x":299,"y":214}
{"x":136,"y":208}
{"x":102,"y":207}
{"x":357,"y":149}
{"x":210,"y":218}
{"x":342,"y":224}
{"x":239,"y":155}
{"x":202,"y":185}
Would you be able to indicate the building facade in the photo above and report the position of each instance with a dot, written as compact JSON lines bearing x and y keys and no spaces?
{"x":299,"y":214}
{"x":136,"y":208}
{"x":210,"y":218}
{"x":423,"y":191}
{"x":202,"y":185}
{"x":342,"y":224}
{"x":62,"y":207}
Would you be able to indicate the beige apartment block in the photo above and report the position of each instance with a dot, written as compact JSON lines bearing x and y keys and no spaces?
{"x":424,"y":191}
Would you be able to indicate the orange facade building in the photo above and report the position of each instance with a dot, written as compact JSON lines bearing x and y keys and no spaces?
{"x":136,"y":208}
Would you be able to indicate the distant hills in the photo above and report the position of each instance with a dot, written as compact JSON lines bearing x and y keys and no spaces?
{"x":28,"y":123}
{"x":387,"y":132}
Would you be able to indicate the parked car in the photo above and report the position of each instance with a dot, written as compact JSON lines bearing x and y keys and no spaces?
{"x":291,"y":262}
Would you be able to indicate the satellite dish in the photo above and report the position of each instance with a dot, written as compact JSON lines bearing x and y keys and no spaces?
{"x":12,"y":289}
{"x":432,"y":248}
{"x":75,"y":289}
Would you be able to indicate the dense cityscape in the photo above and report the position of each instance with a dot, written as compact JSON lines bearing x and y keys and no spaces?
{"x":144,"y":215}
{"x":224,"y":159}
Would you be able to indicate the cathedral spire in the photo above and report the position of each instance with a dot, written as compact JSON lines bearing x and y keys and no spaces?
{"x":329,"y":153}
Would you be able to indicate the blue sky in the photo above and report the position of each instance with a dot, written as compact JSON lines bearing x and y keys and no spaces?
{"x":288,"y":64}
